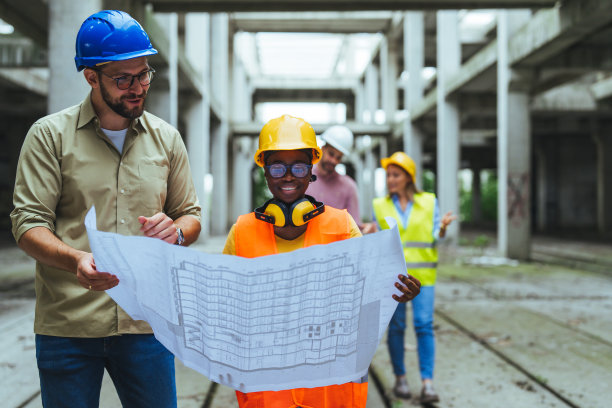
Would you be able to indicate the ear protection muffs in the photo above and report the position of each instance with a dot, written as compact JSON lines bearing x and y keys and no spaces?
{"x":298,"y":213}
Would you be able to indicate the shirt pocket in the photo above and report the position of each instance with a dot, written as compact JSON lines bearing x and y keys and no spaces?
{"x":153,"y":186}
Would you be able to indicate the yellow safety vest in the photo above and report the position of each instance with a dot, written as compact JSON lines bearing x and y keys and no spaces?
{"x":420,"y":250}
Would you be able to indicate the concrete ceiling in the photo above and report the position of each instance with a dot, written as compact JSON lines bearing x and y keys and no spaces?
{"x":28,"y":17}
{"x":313,"y":22}
{"x":338,"y":5}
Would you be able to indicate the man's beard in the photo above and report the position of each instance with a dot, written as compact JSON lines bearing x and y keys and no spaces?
{"x":118,"y":106}
{"x":328,"y":168}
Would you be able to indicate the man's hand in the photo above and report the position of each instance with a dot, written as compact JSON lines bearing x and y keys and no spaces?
{"x":410,"y":288}
{"x":90,"y":278}
{"x":159,"y":226}
{"x":368,"y":228}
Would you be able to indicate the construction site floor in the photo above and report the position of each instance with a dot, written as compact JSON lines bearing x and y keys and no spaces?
{"x":508,"y":334}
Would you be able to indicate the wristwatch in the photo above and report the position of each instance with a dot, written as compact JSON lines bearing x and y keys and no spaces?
{"x":180,"y":239}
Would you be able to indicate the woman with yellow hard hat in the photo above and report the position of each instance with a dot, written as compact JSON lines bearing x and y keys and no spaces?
{"x":420,"y":225}
{"x":293,"y":220}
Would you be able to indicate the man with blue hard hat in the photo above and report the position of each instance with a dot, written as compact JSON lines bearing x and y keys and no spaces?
{"x":110,"y":153}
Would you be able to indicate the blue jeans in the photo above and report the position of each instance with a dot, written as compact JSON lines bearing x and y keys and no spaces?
{"x":422,"y":310}
{"x":71,"y":370}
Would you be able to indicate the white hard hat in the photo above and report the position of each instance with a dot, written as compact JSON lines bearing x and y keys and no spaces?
{"x":339,"y":137}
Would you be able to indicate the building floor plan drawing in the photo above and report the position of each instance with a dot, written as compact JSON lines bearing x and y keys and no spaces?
{"x":308,"y":318}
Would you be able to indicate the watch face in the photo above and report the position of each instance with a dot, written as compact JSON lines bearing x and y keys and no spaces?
{"x":180,"y":239}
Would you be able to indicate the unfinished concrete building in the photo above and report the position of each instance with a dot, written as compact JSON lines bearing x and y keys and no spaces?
{"x":524,"y":93}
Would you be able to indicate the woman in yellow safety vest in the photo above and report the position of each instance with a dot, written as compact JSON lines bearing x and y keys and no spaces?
{"x":289,"y":221}
{"x":420,"y":226}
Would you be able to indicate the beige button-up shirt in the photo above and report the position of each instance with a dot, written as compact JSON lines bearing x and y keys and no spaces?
{"x":67,"y":164}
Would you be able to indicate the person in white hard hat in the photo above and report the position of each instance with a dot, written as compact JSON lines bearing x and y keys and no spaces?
{"x":335,"y":189}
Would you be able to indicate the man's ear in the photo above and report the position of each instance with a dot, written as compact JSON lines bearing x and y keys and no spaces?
{"x":91,"y":77}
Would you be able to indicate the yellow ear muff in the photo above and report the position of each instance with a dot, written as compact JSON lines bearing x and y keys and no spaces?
{"x":277,"y":212}
{"x":299,"y":209}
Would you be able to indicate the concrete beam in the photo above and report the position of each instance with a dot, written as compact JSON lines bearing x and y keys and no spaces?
{"x":292,"y":83}
{"x":548,"y":33}
{"x":316,"y":22}
{"x":30,"y":18}
{"x":474,"y":67}
{"x":33,"y":79}
{"x":602,"y":89}
{"x":358,"y":129}
{"x":189,"y":78}
{"x":552,"y":31}
{"x":426,"y":105}
{"x":214,"y":6}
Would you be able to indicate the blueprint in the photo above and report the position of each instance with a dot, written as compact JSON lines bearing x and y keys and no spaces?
{"x":309,"y":318}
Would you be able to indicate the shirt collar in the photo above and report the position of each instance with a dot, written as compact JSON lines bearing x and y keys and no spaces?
{"x":88,"y":114}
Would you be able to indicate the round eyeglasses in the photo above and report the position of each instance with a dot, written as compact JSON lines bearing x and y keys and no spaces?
{"x":278,"y":170}
{"x":126,"y":81}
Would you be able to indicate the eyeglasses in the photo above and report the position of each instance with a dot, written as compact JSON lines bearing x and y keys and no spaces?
{"x":278,"y":170}
{"x":125,"y":82}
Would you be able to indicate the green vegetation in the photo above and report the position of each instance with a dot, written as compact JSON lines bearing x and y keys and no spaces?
{"x":261,"y":194}
{"x":488,"y":198}
{"x":429,"y":181}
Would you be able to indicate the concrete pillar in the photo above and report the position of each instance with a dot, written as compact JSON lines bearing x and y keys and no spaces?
{"x":67,"y":87}
{"x":476,"y":197}
{"x":388,"y":70}
{"x":541,"y":186}
{"x":197,"y":120}
{"x":197,"y":116}
{"x":604,"y":183}
{"x":448,"y":146}
{"x":368,"y":182}
{"x":163,"y":101}
{"x":371,"y":93}
{"x":359,"y":102}
{"x":514,"y":153}
{"x":241,"y":92}
{"x":220,"y":134}
{"x":242,"y":185}
{"x":357,"y":162}
{"x":414,"y":56}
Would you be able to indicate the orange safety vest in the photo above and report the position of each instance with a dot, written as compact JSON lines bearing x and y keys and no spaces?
{"x":256,"y":238}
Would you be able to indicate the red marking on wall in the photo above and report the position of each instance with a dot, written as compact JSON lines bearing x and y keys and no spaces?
{"x":518,"y":197}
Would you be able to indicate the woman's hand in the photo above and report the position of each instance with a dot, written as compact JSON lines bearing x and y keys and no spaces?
{"x":446,"y":220}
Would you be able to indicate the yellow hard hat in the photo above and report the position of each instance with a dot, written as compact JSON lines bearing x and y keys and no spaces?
{"x":403,"y":160}
{"x":287,"y":133}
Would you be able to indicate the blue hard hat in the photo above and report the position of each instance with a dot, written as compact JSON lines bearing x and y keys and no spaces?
{"x":110,"y":35}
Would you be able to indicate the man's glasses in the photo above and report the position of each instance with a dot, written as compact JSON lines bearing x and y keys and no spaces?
{"x":125,"y":82}
{"x":278,"y":170}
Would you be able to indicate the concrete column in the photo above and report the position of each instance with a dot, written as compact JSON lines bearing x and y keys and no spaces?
{"x":220,"y":134}
{"x":163,"y":101}
{"x":448,"y":146}
{"x":357,"y":162}
{"x":414,"y":56}
{"x":368,"y":182}
{"x":158,"y":98}
{"x":604,"y":183}
{"x":388,"y":70}
{"x":242,"y":185}
{"x":541,"y":186}
{"x":359,"y":102}
{"x":371,"y":93}
{"x":241,"y":92}
{"x":514,"y":154}
{"x":67,"y":87}
{"x":197,"y":120}
{"x":197,"y":116}
{"x":476,"y":197}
